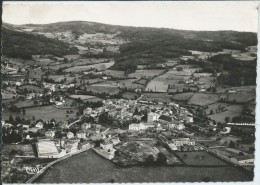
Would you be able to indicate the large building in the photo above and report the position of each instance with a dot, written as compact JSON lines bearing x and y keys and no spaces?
{"x":137,"y":127}
{"x":47,"y":149}
{"x":183,"y":141}
{"x":151,"y":117}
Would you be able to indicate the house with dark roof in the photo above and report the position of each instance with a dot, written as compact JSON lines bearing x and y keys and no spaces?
{"x":165,"y":119}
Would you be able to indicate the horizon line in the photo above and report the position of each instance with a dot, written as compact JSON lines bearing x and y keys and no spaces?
{"x":128,"y":26}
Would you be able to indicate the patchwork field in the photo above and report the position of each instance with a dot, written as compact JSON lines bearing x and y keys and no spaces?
{"x":115,"y":73}
{"x":99,"y":67}
{"x":44,"y":112}
{"x":232,"y":111}
{"x":129,"y":84}
{"x":82,"y":97}
{"x":32,"y":88}
{"x":146,"y":73}
{"x":200,"y":158}
{"x":183,"y":96}
{"x":130,"y":95}
{"x":73,"y":170}
{"x":157,"y":97}
{"x":203,"y":99}
{"x":103,"y":89}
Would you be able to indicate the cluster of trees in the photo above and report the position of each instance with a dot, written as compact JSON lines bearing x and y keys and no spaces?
{"x":240,"y":72}
{"x":161,"y":159}
{"x":29,"y":44}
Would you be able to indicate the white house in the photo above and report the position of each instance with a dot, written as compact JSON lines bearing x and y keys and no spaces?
{"x":179,"y":126}
{"x":70,"y":135}
{"x":39,"y":125}
{"x":50,"y":134}
{"x":151,"y":117}
{"x":80,"y":134}
{"x":183,"y":141}
{"x":137,"y":127}
{"x":107,"y":145}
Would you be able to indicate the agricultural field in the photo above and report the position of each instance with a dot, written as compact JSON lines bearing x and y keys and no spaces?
{"x":82,"y":97}
{"x":71,"y":57}
{"x":43,"y":61}
{"x":203,"y":99}
{"x":104,"y":170}
{"x":244,"y":56}
{"x":182,"y":96}
{"x":157,"y":85}
{"x":216,"y":107}
{"x":103,"y":89}
{"x":228,"y":152}
{"x":130,"y":95}
{"x":43,"y":112}
{"x":31,"y":88}
{"x":93,"y":81}
{"x":231,"y":112}
{"x":146,"y":73}
{"x":94,"y":100}
{"x":35,"y":74}
{"x":99,"y":67}
{"x":7,"y":96}
{"x":200,"y":158}
{"x":157,"y":97}
{"x":115,"y":73}
{"x":25,"y":103}
{"x":108,"y":83}
{"x":241,"y":97}
{"x":129,"y":84}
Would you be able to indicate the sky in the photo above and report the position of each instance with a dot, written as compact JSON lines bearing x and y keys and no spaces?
{"x":211,"y":16}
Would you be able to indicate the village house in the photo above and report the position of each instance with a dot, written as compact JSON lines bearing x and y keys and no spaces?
{"x":39,"y":125}
{"x":72,"y":146}
{"x":115,"y":140}
{"x":163,"y":119}
{"x":70,"y":135}
{"x":106,"y":145}
{"x":183,"y":141}
{"x":50,"y":133}
{"x":137,"y":127}
{"x":86,"y":144}
{"x":87,"y":111}
{"x":81,"y":134}
{"x":151,"y":117}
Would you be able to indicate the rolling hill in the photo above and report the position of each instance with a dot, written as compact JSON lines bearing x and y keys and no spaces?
{"x":146,"y":45}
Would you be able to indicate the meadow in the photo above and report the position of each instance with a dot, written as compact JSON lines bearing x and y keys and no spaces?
{"x":89,"y":167}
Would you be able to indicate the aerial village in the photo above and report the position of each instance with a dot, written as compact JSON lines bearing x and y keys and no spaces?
{"x":174,"y":113}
